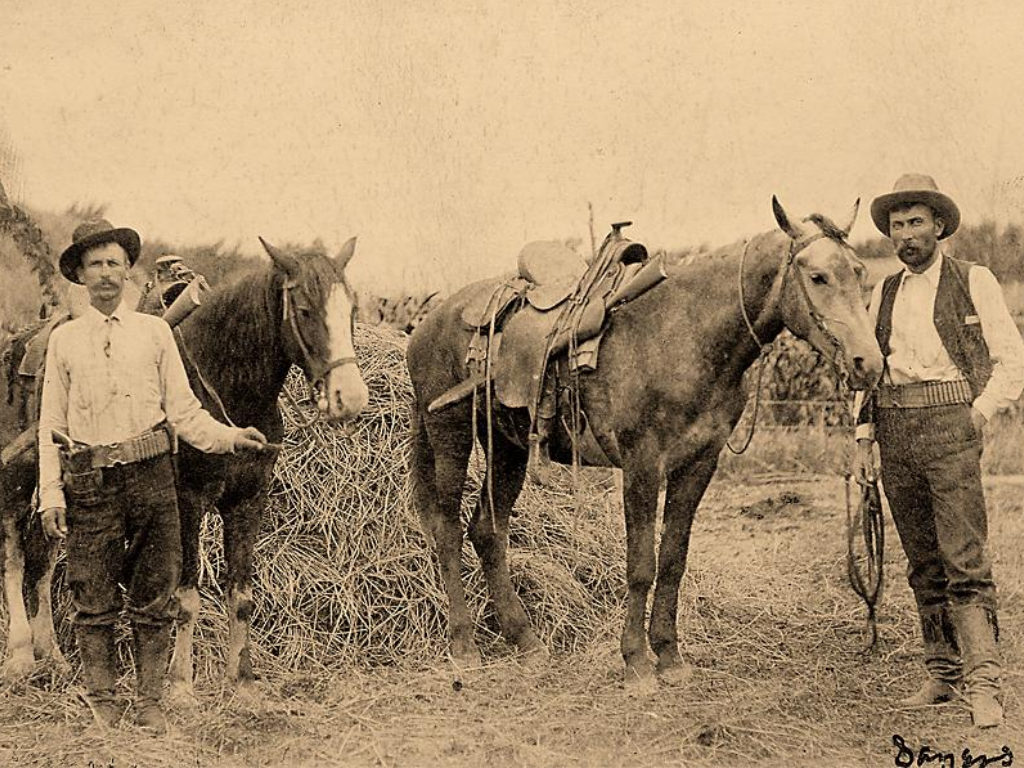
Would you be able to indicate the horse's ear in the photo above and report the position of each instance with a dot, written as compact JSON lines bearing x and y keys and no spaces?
{"x":851,"y":218}
{"x":345,"y":254}
{"x":282,"y":260}
{"x":783,"y":220}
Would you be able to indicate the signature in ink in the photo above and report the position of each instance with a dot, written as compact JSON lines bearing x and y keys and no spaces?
{"x":906,"y":757}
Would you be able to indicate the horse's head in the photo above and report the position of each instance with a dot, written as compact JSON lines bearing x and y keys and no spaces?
{"x":318,"y":323}
{"x":822,"y":299}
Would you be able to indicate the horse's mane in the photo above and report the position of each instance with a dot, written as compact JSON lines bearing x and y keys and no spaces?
{"x":827,"y":226}
{"x":233,"y":335}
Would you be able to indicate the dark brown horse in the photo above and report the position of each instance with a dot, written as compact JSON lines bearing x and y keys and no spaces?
{"x":238,"y":346}
{"x":661,"y":405}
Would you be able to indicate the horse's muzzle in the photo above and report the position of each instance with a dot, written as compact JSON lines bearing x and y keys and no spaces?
{"x":345,"y":393}
{"x":864,"y":371}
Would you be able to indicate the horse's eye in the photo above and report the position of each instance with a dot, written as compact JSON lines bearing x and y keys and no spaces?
{"x":305,"y":311}
{"x":819,"y":279}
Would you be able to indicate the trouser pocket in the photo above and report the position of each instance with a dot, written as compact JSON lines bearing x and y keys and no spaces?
{"x":84,"y":489}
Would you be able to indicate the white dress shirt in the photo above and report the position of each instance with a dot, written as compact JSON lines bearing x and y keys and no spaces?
{"x":109,"y":379}
{"x":918,"y":354}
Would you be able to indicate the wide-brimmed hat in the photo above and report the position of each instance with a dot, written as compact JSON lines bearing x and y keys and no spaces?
{"x":913,"y":188}
{"x":90,"y":234}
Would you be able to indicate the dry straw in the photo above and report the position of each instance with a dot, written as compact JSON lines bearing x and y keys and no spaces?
{"x":343,"y":574}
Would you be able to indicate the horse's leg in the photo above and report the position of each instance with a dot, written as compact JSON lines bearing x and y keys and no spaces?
{"x":190,"y":511}
{"x":684,"y":489}
{"x":241,"y":524}
{"x":40,"y":563}
{"x":19,"y":636}
{"x":438,"y":466}
{"x":489,"y":534}
{"x":640,"y":488}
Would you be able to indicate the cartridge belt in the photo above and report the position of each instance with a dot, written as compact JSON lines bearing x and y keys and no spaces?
{"x":924,"y":394}
{"x":150,"y":444}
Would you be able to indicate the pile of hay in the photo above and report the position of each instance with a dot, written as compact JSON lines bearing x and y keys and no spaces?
{"x":344,"y":575}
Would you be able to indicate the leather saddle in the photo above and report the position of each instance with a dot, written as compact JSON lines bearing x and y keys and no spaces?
{"x":556,"y":304}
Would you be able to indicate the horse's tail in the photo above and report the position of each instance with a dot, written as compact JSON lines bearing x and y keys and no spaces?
{"x":421,"y":472}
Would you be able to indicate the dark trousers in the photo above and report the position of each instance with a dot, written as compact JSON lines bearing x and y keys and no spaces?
{"x":931,"y":471}
{"x":125,"y":533}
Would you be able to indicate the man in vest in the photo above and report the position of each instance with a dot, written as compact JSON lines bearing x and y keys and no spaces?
{"x":113,"y":391}
{"x":953,"y":358}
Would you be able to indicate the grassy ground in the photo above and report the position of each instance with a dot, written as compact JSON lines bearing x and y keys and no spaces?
{"x":766,"y":617}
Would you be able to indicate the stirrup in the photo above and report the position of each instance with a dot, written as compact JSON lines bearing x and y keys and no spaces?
{"x":538,"y":462}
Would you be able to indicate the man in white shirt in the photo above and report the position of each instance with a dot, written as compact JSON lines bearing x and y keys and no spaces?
{"x":114,"y":395}
{"x":953,"y":358}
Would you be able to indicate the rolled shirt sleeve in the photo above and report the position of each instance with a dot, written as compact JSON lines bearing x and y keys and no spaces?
{"x":866,"y":431}
{"x":52,"y":416}
{"x":183,"y":410}
{"x":1005,"y":345}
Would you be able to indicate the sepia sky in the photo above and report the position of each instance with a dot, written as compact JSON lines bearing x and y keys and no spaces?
{"x":446,"y":134}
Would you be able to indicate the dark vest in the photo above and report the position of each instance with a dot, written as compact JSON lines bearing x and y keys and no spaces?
{"x":964,"y":342}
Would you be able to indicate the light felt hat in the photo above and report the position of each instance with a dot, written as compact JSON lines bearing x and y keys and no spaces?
{"x":913,"y":188}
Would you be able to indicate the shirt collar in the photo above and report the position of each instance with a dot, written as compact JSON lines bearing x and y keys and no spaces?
{"x":933,"y":272}
{"x":118,"y":314}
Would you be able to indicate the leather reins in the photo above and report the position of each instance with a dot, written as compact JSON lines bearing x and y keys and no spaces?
{"x":817,"y":319}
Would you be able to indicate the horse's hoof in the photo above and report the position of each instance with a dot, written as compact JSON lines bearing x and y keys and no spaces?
{"x":639,"y":685}
{"x":56,"y":661}
{"x":533,"y":653}
{"x":182,"y":697}
{"x":466,"y":657}
{"x":17,"y":667}
{"x":640,"y":677}
{"x":677,"y":674}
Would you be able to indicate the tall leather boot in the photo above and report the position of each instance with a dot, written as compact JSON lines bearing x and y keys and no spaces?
{"x":151,"y":644}
{"x":978,"y":634}
{"x":941,"y":658}
{"x":99,"y":672}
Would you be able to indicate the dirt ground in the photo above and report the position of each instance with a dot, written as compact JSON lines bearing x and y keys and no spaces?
{"x":773,"y":631}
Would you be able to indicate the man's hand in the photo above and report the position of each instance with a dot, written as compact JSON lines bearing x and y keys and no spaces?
{"x":864,"y":468}
{"x":250,"y":438}
{"x":55,"y":522}
{"x":978,"y":420}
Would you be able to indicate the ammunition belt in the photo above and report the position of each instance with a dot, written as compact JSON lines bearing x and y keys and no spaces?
{"x":924,"y":394}
{"x":150,"y":444}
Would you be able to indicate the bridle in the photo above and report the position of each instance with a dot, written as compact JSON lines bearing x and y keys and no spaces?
{"x":316,"y":373}
{"x":818,"y":321}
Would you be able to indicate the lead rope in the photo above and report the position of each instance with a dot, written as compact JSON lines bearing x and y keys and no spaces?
{"x":760,"y":360}
{"x":867,"y":515}
{"x":202,"y":379}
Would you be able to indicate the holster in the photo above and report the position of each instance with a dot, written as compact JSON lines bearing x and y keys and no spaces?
{"x":83,"y":483}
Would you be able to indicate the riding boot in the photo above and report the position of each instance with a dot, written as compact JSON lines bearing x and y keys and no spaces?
{"x":151,"y":643}
{"x":978,"y":634}
{"x":99,"y":672}
{"x":941,"y":658}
